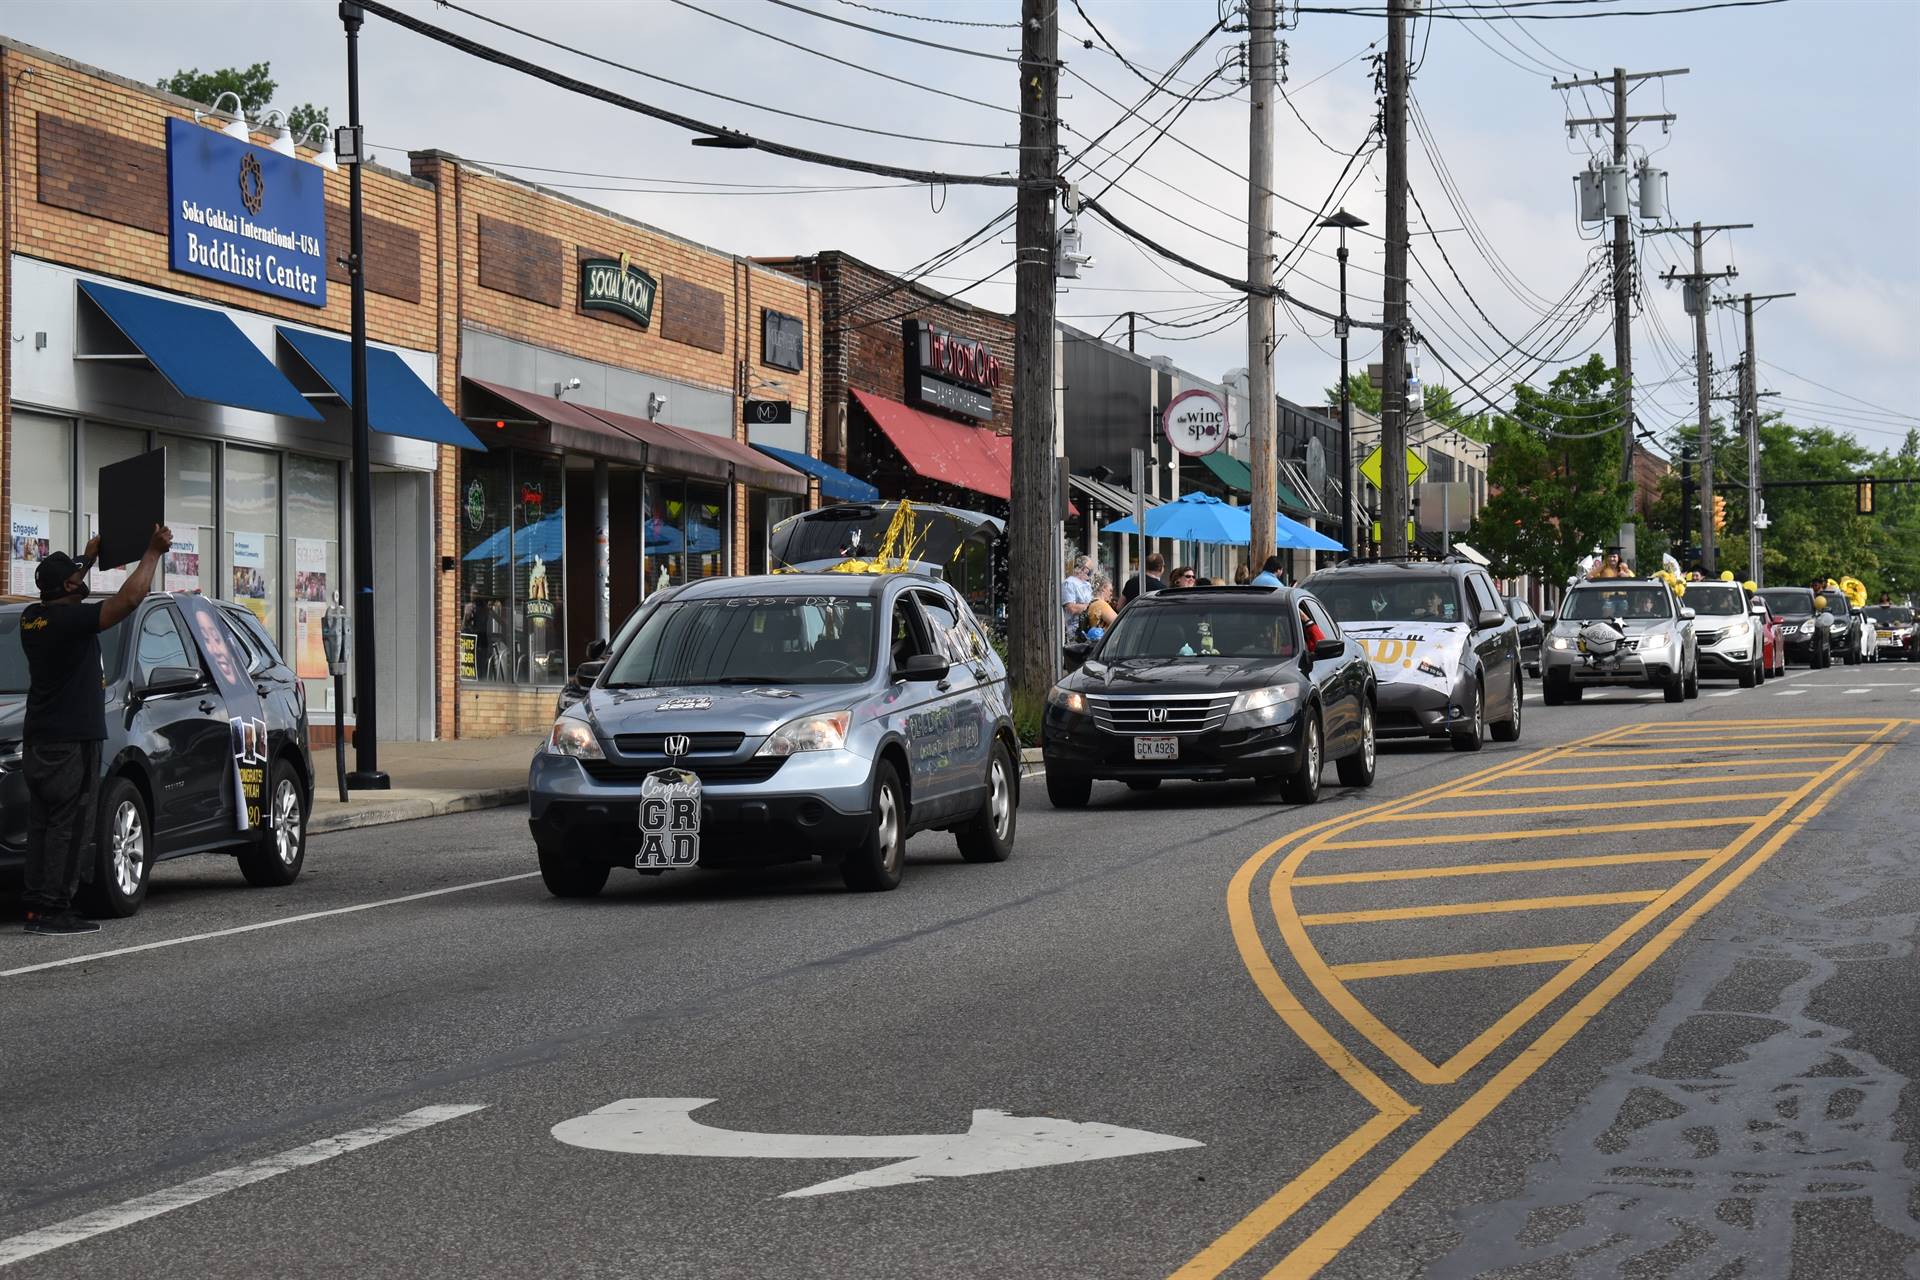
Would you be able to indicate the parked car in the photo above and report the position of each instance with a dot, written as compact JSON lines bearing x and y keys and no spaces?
{"x":1898,"y":634}
{"x":1731,"y":640}
{"x":1214,"y":683}
{"x":777,"y":718}
{"x":1445,"y":651}
{"x":1531,"y":633}
{"x":1621,"y":631}
{"x":1808,"y":632}
{"x":166,"y":767}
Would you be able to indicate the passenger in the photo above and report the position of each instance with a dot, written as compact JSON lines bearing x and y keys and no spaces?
{"x":1312,"y":629}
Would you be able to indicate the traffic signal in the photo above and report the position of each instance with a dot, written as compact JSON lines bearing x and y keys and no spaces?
{"x":1719,"y":514}
{"x":1863,"y":497}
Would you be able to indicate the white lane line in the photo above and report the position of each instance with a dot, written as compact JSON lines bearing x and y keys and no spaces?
{"x":263,"y":924}
{"x":1726,"y":693}
{"x":101,"y":1221}
{"x":1778,"y":693}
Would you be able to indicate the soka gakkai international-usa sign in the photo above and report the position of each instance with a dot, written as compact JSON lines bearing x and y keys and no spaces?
{"x":245,"y":215}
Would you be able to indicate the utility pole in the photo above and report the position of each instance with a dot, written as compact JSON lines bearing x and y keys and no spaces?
{"x":1750,"y":426}
{"x":1621,"y":123}
{"x":1393,"y":392}
{"x":1261,"y":21}
{"x":1033,"y":623}
{"x":1696,"y":282}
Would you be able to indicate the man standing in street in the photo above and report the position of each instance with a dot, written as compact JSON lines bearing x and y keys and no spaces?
{"x":65,"y":723}
{"x":1272,"y":573}
{"x":1156,"y":565}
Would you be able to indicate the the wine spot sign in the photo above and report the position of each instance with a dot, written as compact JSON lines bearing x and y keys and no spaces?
{"x":1195,"y":422}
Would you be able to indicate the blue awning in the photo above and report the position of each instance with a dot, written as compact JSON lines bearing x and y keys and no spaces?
{"x":202,"y":354}
{"x":834,"y":483}
{"x":398,"y":403}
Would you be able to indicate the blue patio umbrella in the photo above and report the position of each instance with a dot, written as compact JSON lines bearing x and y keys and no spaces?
{"x":543,"y":538}
{"x":1201,"y":517}
{"x":1288,"y":532}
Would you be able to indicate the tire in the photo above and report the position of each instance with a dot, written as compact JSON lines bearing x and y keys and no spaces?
{"x":1357,"y":769}
{"x":1676,"y":689}
{"x":1068,"y":790}
{"x":1475,"y":734}
{"x":1691,"y":687}
{"x":1143,"y":784}
{"x":1751,"y":676}
{"x":1508,"y":730}
{"x":989,"y":837}
{"x":123,"y":852}
{"x":1555,"y":692}
{"x":276,"y":859}
{"x":569,"y":877}
{"x":875,"y":865}
{"x":1302,"y":786}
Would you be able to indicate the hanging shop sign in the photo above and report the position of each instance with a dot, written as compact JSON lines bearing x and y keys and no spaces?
{"x":615,"y":284}
{"x":1195,"y":422}
{"x":946,"y":371}
{"x":767,"y":413}
{"x":245,"y":215}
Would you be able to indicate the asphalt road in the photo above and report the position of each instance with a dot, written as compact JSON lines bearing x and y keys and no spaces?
{"x":1677,"y":1044}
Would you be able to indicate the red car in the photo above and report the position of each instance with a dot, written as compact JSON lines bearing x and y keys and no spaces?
{"x":1773,"y":653}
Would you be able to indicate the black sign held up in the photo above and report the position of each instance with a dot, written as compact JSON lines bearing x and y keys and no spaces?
{"x":133,"y":499}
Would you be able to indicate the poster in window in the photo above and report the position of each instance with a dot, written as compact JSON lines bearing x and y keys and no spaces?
{"x":250,"y":573}
{"x":181,"y":569}
{"x":32,"y":543}
{"x":310,"y":607}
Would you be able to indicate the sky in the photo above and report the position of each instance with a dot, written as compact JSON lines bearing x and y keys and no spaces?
{"x":1797,"y":117}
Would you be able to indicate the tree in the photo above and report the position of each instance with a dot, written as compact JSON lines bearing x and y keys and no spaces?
{"x":1439,"y":406}
{"x":254,"y":84}
{"x":1554,"y":477}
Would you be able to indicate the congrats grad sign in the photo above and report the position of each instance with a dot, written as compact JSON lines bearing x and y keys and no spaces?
{"x":246,"y":215}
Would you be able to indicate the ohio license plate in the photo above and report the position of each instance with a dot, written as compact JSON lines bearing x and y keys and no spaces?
{"x":1156,"y":748}
{"x":669,"y":819}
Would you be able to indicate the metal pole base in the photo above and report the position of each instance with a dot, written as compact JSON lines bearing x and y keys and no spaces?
{"x":369,"y":780}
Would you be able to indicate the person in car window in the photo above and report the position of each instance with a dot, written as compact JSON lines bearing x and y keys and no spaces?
{"x":1435,"y":606}
{"x":1314,"y":634}
{"x":66,"y":722}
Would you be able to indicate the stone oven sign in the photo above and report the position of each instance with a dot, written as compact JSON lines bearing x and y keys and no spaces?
{"x":1195,"y":422}
{"x":615,"y":284}
{"x":245,"y":215}
{"x":946,"y":371}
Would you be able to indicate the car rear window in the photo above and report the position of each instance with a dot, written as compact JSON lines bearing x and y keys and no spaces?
{"x":1587,"y":604}
{"x":1428,"y":599}
{"x":1200,"y":629}
{"x":777,"y":640}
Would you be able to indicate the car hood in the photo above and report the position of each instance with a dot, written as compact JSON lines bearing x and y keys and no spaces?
{"x":1183,"y":675}
{"x":754,"y":710}
{"x":1420,"y":653}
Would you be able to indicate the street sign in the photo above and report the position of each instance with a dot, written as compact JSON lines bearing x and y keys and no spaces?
{"x":997,"y":1141}
{"x":1416,"y":467}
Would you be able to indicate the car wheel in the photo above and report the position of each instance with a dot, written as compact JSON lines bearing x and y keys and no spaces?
{"x":1676,"y":688}
{"x":567,"y":876}
{"x":989,"y":837}
{"x":1068,"y":790}
{"x":1692,"y":686}
{"x":1302,"y":786}
{"x":123,"y":857}
{"x":1471,"y":738}
{"x":1554,"y":692}
{"x":1751,"y":676}
{"x":875,"y":865}
{"x":1143,"y":784}
{"x":1508,"y":730}
{"x":1356,"y":770}
{"x":276,"y":856}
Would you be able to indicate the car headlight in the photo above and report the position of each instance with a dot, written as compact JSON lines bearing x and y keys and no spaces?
{"x":571,"y":737}
{"x":1261,"y":706}
{"x":1561,"y":642}
{"x":1067,"y":700}
{"x":1653,"y":642}
{"x":809,"y":733}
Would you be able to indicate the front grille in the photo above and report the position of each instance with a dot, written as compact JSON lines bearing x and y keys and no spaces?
{"x":710,"y":773}
{"x":702,"y":744}
{"x":1709,"y":637}
{"x":1159,"y":713}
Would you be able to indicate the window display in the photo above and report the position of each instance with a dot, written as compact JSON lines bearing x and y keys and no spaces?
{"x":43,"y":495}
{"x":512,"y":569}
{"x":190,"y":514}
{"x":252,"y":502}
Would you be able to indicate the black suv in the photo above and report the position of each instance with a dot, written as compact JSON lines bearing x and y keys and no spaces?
{"x":1444,"y":647}
{"x":166,"y":768}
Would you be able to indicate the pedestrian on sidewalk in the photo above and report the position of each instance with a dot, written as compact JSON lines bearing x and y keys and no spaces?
{"x":65,"y":723}
{"x":1272,"y":574}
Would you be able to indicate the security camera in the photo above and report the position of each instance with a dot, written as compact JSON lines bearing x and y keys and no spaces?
{"x":656,"y":404}
{"x":561,"y":388}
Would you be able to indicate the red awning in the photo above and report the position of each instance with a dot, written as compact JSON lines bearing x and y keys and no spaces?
{"x":940,"y":449}
{"x":563,"y":425}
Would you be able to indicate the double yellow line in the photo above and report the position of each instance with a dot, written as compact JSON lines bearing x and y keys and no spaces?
{"x":1393,"y":1111}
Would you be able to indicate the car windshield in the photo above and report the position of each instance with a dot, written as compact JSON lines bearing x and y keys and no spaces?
{"x":1789,"y":602}
{"x":13,"y":658}
{"x":1717,"y":600}
{"x":1363,"y":600}
{"x":1589,"y":604}
{"x":1200,"y":628}
{"x":750,"y":640}
{"x":1884,"y":613}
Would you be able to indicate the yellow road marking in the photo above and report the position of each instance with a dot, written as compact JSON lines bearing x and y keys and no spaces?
{"x":1715,"y":746}
{"x":1487,"y":908}
{"x":1500,"y":868}
{"x":1634,"y":785}
{"x":1360,"y":1212}
{"x":1713,"y":725}
{"x":1676,"y":764}
{"x":1547,"y":833}
{"x":1462,"y":960}
{"x":1660,"y":802}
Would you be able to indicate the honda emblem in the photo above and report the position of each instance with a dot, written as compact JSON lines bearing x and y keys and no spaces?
{"x":676,"y":745}
{"x":1157,"y":715}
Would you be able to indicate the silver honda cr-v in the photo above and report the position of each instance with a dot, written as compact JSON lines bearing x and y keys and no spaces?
{"x":752,"y":721}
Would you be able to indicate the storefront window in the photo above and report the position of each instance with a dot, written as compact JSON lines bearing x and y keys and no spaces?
{"x":664,"y":553}
{"x":313,"y":524}
{"x":190,"y":514}
{"x":512,"y":569}
{"x":102,"y":446}
{"x":486,"y":567}
{"x":706,"y":531}
{"x":42,"y":494}
{"x":252,"y":502}
{"x":539,"y":568}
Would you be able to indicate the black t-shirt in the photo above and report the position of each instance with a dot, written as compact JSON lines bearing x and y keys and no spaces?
{"x":1132,"y":587}
{"x":65,"y":702}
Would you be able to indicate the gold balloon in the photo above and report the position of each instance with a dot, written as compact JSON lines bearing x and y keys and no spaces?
{"x":1726,"y":575}
{"x":1751,"y":585}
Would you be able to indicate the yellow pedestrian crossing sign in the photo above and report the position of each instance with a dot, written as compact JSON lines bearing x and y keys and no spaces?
{"x":1416,"y":467}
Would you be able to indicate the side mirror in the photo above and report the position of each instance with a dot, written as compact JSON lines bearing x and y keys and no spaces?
{"x":1688,"y":614}
{"x":1489,"y":618}
{"x":587,"y":672}
{"x":1329,"y":648}
{"x":923,"y":668}
{"x":1758,"y":609}
{"x":597,"y":649}
{"x":1548,"y":619}
{"x":170,"y":680}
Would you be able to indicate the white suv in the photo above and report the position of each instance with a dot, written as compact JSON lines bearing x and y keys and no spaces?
{"x":1731,"y":640}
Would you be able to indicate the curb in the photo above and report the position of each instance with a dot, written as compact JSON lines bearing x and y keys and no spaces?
{"x":1030,"y":756}
{"x":405,"y":808}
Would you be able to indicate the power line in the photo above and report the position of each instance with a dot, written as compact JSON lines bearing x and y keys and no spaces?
{"x":1837,"y":391}
{"x":1447,"y":11}
{"x":923,"y":17}
{"x":1156,"y":82}
{"x":893,"y":35}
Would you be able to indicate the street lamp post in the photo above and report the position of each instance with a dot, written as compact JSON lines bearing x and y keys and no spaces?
{"x":366,"y":775}
{"x":1343,"y":220}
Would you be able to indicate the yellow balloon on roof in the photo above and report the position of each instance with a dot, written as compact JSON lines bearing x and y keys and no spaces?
{"x":1726,"y":575}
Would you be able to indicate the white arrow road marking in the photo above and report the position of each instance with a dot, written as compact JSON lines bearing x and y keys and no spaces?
{"x":996,"y":1142}
{"x":101,"y":1221}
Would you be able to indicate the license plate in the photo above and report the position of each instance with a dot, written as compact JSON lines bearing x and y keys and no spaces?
{"x":1156,"y":748}
{"x":1886,"y":635}
{"x":669,"y":819}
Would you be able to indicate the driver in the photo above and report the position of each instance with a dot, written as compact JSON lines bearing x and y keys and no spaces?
{"x":1435,"y":606}
{"x":1645,"y":606}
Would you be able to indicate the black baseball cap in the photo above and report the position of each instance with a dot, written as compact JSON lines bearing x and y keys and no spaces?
{"x":51,"y":574}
